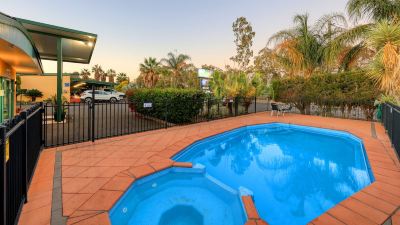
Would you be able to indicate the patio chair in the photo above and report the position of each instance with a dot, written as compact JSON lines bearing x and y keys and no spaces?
{"x":286,"y":109}
{"x":275,"y":108}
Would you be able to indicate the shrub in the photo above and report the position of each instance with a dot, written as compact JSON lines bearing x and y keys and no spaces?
{"x":344,"y":90}
{"x":33,"y":94}
{"x":177,"y":105}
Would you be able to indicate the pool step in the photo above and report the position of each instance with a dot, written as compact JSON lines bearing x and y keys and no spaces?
{"x":252,"y":214}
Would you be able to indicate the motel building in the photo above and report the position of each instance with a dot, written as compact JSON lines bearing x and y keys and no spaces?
{"x":23,"y":46}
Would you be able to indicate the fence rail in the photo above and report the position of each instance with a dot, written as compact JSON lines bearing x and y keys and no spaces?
{"x":95,"y":120}
{"x":391,"y":121}
{"x":20,"y":151}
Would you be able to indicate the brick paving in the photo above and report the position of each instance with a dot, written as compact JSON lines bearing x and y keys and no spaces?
{"x":95,"y":175}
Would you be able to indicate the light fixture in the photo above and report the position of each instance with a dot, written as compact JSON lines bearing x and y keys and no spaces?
{"x":79,"y":85}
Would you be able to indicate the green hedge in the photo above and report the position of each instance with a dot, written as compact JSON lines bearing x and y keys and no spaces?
{"x":344,"y":90}
{"x":177,"y":105}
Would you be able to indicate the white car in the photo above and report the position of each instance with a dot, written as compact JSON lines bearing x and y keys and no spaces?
{"x":100,"y":96}
{"x":112,"y":91}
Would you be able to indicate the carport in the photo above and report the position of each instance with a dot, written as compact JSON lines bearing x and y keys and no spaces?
{"x":62,"y":45}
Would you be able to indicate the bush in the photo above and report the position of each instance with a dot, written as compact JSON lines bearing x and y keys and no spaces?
{"x":344,"y":90}
{"x":33,"y":94}
{"x":177,"y":105}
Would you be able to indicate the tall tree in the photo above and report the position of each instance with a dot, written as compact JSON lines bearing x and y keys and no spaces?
{"x":111,"y":75}
{"x":384,"y":38}
{"x":351,"y":45}
{"x":244,"y":35}
{"x":122,"y":77}
{"x":85,"y":74}
{"x":266,"y":64}
{"x":304,"y":49}
{"x":374,"y":10}
{"x":211,"y":67}
{"x":98,"y":71}
{"x":149,"y":71}
{"x":103,"y":76}
{"x":177,"y":64}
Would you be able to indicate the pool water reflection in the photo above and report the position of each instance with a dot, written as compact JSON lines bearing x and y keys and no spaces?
{"x":296,"y":173}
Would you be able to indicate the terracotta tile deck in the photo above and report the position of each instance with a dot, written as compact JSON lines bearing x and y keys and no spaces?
{"x":94,"y":176}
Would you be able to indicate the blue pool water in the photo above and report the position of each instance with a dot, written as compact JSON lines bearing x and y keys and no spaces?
{"x":296,"y":173}
{"x":179,"y":196}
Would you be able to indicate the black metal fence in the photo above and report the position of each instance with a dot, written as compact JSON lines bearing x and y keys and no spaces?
{"x":90,"y":121}
{"x":21,"y":144}
{"x":391,"y":121}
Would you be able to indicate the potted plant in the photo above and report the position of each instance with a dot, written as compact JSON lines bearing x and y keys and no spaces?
{"x":33,"y":94}
{"x":53,"y":101}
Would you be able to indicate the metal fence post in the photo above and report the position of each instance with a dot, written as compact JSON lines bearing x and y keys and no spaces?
{"x":25,"y":155}
{"x":93,"y":112}
{"x":166,"y":114}
{"x":42,"y":127}
{"x":392,"y":119}
{"x":255,"y":104}
{"x":236,"y":105}
{"x":208,"y":110}
{"x":3,"y":175}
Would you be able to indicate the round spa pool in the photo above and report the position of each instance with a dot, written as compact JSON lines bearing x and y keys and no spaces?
{"x":296,"y":173}
{"x":179,"y":196}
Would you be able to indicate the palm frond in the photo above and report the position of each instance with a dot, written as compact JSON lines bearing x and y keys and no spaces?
{"x":374,"y":9}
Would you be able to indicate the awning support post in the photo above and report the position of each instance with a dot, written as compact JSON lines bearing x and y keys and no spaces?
{"x":59,"y":79}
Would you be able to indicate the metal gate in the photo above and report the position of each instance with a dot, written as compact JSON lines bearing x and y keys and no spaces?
{"x":20,"y":147}
{"x":82,"y":122}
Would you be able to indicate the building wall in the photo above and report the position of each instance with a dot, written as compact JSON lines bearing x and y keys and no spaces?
{"x":46,"y":84}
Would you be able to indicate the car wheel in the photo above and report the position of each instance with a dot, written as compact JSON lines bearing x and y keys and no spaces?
{"x":113,"y":100}
{"x":88,"y":100}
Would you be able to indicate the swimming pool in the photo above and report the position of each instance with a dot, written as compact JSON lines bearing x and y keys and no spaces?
{"x":295,"y":172}
{"x":179,"y":196}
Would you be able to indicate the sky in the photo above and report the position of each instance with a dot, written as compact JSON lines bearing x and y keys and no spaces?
{"x":129,"y":31}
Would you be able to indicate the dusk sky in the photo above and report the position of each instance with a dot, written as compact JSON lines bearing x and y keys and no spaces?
{"x":129,"y":31}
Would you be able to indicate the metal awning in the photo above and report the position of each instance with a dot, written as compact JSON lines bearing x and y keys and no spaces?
{"x":77,"y":46}
{"x":17,"y":48}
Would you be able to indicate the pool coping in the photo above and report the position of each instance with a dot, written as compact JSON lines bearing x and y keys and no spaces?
{"x":375,"y":204}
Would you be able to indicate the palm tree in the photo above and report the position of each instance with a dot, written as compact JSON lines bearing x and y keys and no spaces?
{"x":384,"y":38}
{"x":231,"y":90}
{"x":176,"y":64}
{"x":374,"y":10}
{"x":111,"y":74}
{"x":303,"y":49}
{"x":236,"y":85}
{"x":351,"y":46}
{"x":103,"y":76}
{"x":98,"y":71}
{"x":217,"y":84}
{"x":122,"y":77}
{"x":85,"y":74}
{"x":149,"y":70}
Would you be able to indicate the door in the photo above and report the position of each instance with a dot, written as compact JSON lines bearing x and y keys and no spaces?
{"x":6,"y":99}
